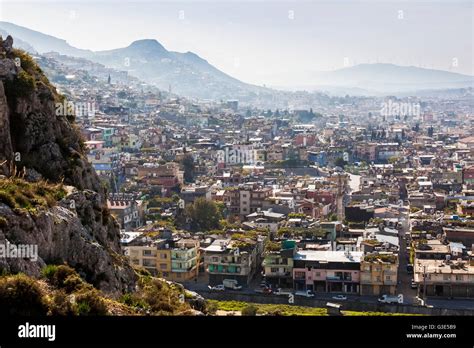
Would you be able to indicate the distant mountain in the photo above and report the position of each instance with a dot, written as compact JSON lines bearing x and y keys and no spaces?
{"x":384,"y":78}
{"x":189,"y":75}
{"x":25,"y":46}
{"x":186,"y":73}
{"x":40,"y":42}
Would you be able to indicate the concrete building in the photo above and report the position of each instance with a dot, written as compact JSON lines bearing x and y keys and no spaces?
{"x":378,"y":274}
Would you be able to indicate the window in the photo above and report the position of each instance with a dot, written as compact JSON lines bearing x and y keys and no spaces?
{"x":163,"y":265}
{"x":274,"y":270}
{"x":149,"y":263}
{"x":446,"y":277}
{"x":300,"y":275}
{"x":146,"y":252}
{"x":388,"y":278}
{"x":459,"y":277}
{"x":318,"y":274}
{"x":164,"y":256}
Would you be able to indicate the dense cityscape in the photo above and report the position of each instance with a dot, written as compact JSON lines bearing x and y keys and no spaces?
{"x":360,"y":197}
{"x":140,"y":181}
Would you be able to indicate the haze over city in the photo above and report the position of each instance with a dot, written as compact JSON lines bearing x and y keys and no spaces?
{"x":238,"y":158}
{"x":268,"y":42}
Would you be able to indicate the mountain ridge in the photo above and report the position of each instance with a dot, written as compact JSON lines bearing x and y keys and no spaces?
{"x":190,"y":75}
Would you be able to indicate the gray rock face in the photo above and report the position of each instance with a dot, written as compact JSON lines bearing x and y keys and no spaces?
{"x":6,"y":150}
{"x":7,"y":44}
{"x":84,"y":237}
{"x":49,"y":147}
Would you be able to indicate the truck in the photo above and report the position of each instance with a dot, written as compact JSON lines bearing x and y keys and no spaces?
{"x":231,"y":284}
{"x":391,"y":299}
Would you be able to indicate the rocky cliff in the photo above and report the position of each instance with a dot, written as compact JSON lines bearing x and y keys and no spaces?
{"x":46,"y":147}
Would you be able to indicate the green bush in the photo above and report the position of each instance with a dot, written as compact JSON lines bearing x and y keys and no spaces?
{"x":134,"y":301}
{"x":8,"y":199}
{"x":250,"y":310}
{"x":90,"y":302}
{"x":20,"y":87}
{"x":64,"y":277}
{"x":61,"y":304}
{"x":158,"y":296}
{"x":18,"y":193}
{"x":21,"y":295}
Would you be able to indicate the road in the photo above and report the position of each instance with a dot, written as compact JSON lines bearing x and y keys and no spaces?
{"x":404,"y":279}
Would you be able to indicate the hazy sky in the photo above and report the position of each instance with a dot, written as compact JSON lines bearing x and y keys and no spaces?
{"x":268,"y":42}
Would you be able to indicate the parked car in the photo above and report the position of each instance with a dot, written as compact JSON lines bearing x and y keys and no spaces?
{"x":307,"y":293}
{"x":266,"y":291}
{"x":413,"y":285}
{"x":339,"y":297}
{"x":219,"y":287}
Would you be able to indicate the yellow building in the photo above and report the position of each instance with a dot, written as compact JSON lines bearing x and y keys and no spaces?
{"x":378,"y":274}
{"x":176,"y":260}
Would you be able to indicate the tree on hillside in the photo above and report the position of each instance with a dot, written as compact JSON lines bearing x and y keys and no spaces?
{"x":203,"y":215}
{"x":188,"y":164}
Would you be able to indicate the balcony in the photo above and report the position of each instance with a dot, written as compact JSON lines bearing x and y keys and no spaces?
{"x":338,"y":279}
{"x":273,"y":263}
{"x":390,"y":282}
{"x":280,"y":274}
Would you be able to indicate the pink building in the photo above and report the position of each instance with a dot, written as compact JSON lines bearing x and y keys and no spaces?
{"x":327,"y":271}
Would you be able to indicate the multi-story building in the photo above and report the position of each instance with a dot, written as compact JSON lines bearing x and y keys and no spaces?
{"x":127,"y":211}
{"x":231,"y":259}
{"x":378,"y":274}
{"x":185,"y":260}
{"x":327,"y":271}
{"x":176,"y":260}
{"x":445,"y":278}
{"x":278,"y":265}
{"x":153,"y":256}
{"x":246,"y":199}
{"x":167,"y":176}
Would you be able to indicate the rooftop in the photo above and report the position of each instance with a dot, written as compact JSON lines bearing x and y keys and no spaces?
{"x":329,"y":256}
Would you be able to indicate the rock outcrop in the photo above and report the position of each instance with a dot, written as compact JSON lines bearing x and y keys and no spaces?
{"x":34,"y":139}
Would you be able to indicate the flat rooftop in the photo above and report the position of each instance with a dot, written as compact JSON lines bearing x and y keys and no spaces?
{"x":328,"y":256}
